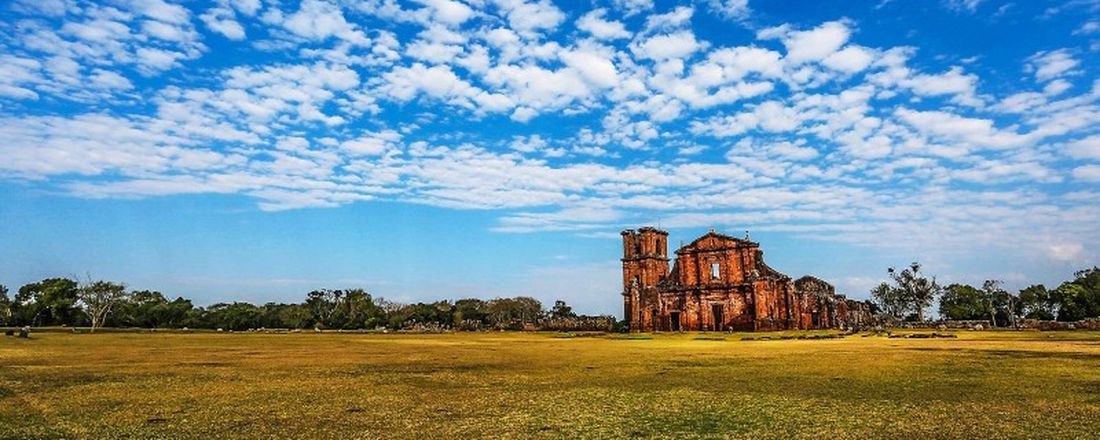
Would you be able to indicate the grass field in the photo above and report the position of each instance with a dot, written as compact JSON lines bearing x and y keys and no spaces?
{"x":522,"y":385}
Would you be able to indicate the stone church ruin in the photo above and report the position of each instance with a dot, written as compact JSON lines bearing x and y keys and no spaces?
{"x":721,"y":283}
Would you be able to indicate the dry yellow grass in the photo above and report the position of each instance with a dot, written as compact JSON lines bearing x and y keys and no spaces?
{"x":515,"y":385}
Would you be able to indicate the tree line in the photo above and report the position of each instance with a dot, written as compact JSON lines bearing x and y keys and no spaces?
{"x":909,"y":293}
{"x":95,"y":304}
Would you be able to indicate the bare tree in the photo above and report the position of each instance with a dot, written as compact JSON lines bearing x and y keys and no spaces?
{"x":991,"y":289}
{"x":99,"y":298}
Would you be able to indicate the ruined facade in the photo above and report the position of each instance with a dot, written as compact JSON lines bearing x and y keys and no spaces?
{"x":720,"y":283}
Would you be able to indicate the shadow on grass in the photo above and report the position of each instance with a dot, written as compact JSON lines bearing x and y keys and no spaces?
{"x":1016,"y":354}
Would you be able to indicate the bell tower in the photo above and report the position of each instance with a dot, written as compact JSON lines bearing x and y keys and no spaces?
{"x":645,"y":264}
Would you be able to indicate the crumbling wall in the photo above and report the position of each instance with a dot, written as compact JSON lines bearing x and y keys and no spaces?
{"x":719,"y":282}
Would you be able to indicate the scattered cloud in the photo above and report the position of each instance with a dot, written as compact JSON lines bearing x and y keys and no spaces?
{"x":1047,"y":65}
{"x":554,"y":120}
{"x":730,"y":9}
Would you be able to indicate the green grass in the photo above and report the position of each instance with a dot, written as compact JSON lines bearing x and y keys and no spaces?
{"x":522,"y":385}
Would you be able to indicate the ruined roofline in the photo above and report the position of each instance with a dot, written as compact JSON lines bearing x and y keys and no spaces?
{"x":740,"y":242}
{"x":644,"y":229}
{"x":765,"y":270}
{"x":812,"y":279}
{"x":645,"y":257}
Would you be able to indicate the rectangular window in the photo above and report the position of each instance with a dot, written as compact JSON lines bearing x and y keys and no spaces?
{"x":715,"y":271}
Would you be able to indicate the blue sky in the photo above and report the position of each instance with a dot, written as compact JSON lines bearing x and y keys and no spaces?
{"x":255,"y":150}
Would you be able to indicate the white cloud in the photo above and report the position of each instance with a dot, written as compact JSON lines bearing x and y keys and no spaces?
{"x":594,"y":23}
{"x":1088,"y":27}
{"x":405,"y":83}
{"x":963,"y":5}
{"x":819,"y":137}
{"x":528,"y":144}
{"x":1057,"y":87}
{"x":372,"y":143}
{"x":155,"y":60}
{"x":730,"y":9}
{"x":672,"y":20}
{"x":450,"y":12}
{"x":246,"y":7}
{"x":954,"y":82}
{"x":665,"y":46}
{"x":1087,"y":173}
{"x":1067,"y":252}
{"x":77,"y":48}
{"x":55,"y":8}
{"x":110,"y":80}
{"x":319,"y":20}
{"x":540,"y":88}
{"x":1047,"y":65}
{"x":530,"y":17}
{"x":980,"y":132}
{"x":851,"y":59}
{"x":633,"y":7}
{"x":165,"y":31}
{"x":161,"y":10}
{"x":812,"y":45}
{"x":222,"y":20}
{"x":1087,"y":148}
{"x":792,"y":151}
{"x":524,"y":114}
{"x":594,"y":67}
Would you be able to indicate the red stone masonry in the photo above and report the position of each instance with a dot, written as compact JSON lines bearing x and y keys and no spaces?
{"x":718,"y":283}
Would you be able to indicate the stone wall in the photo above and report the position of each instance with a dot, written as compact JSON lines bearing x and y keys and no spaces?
{"x":718,"y":283}
{"x":1084,"y":324}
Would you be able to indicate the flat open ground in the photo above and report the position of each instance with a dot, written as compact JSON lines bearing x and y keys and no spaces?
{"x":521,"y":385}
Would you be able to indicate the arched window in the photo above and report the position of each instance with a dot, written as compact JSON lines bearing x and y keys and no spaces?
{"x":715,"y":271}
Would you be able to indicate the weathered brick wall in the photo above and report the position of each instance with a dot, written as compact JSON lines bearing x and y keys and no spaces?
{"x":718,"y":283}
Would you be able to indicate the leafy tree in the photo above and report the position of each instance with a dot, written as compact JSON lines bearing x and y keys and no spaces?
{"x":510,"y":312}
{"x":1037,"y":302}
{"x":176,"y":312}
{"x":1080,"y":298}
{"x":561,"y":310}
{"x":145,"y":308}
{"x":914,"y":289}
{"x":5,"y":306}
{"x":963,"y":302}
{"x":99,"y":298}
{"x":323,"y":305}
{"x":51,"y":301}
{"x":198,"y":317}
{"x":440,"y":313}
{"x":235,"y":316}
{"x":292,"y":316}
{"x":889,"y":301}
{"x":359,"y":310}
{"x":470,"y":309}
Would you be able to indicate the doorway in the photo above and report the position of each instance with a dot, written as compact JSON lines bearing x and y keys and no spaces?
{"x":675,"y":318}
{"x":716,"y":310}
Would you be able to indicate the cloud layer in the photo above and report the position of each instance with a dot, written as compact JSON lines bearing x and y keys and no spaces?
{"x":555,"y":120}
